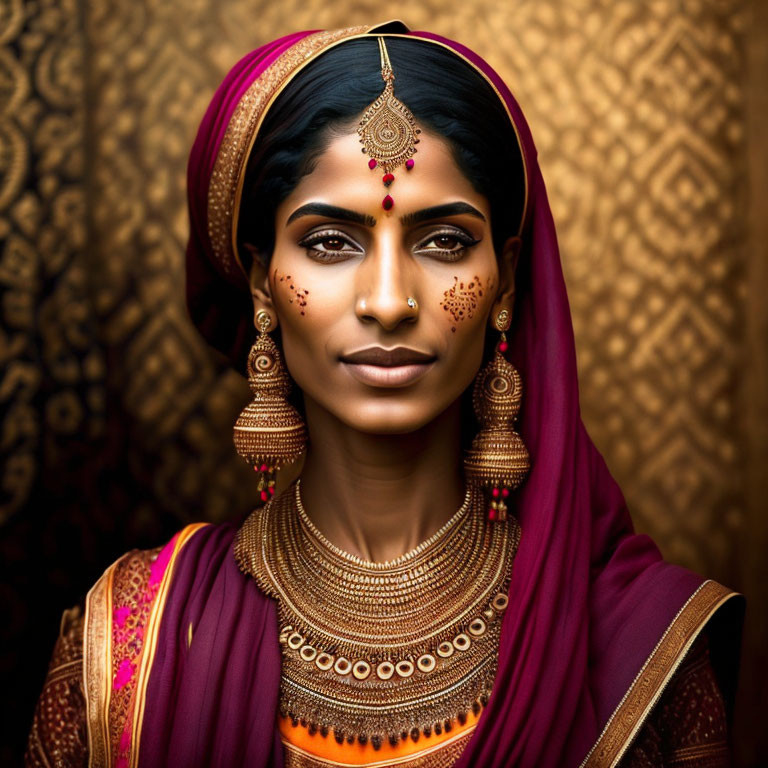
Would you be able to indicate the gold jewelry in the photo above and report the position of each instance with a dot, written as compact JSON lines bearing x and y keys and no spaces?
{"x":376,"y":651}
{"x":388,"y":130}
{"x":269,"y":432}
{"x":498,"y":460}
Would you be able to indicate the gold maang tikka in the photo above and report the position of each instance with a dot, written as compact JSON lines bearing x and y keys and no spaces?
{"x":388,"y":130}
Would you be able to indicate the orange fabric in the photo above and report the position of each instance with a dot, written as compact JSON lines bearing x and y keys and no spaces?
{"x":328,"y":748}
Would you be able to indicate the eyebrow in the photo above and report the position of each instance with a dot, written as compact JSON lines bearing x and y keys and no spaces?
{"x":331,"y":212}
{"x":408,"y":220}
{"x":439,"y":212}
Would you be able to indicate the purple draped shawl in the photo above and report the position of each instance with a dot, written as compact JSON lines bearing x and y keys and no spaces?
{"x":589,"y":598}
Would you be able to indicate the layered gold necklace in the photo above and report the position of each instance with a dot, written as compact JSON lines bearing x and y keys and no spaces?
{"x":382,"y":651}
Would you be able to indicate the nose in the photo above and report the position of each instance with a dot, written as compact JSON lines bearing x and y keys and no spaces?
{"x":385,"y":291}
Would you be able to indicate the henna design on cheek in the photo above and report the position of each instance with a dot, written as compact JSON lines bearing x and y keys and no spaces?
{"x":461,"y":300}
{"x":299,"y":294}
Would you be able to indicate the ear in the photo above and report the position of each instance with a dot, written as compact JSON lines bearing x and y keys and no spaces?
{"x":505,"y":295}
{"x":261,"y":293}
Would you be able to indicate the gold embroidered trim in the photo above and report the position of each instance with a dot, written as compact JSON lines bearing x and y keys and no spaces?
{"x":150,"y":639}
{"x":382,"y":652}
{"x":131,"y":601}
{"x":655,"y":674}
{"x":97,"y":667}
{"x":105,"y":721}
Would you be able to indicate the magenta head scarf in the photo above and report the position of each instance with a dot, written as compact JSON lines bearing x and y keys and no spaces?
{"x":589,"y":599}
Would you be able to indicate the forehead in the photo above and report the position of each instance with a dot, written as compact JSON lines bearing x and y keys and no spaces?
{"x":342,"y":176}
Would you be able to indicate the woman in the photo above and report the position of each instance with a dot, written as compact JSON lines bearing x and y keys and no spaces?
{"x":395,"y":606}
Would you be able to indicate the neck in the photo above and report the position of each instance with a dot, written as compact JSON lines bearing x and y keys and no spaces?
{"x":379,"y":496}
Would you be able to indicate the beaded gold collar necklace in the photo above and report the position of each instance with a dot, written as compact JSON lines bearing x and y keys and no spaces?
{"x":382,"y":651}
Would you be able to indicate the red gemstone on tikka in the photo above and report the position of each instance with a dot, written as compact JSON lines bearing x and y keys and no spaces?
{"x":409,"y":164}
{"x":503,"y":347}
{"x":263,"y":468}
{"x":388,"y":179}
{"x":387,"y":203}
{"x":372,"y":163}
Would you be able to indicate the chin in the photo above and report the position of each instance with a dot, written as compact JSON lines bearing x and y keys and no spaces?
{"x":388,"y":418}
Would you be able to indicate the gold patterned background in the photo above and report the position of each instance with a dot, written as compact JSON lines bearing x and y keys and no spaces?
{"x":115,"y":418}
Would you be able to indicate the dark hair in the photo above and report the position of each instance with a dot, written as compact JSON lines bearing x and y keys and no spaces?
{"x":447,"y":97}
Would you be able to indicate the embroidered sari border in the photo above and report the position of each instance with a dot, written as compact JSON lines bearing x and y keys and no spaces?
{"x":655,"y":674}
{"x":150,"y":639}
{"x":97,"y":665}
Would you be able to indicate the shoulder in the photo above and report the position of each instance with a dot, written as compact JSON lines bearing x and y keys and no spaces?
{"x":122,"y":615}
{"x":698,"y":649}
{"x":58,"y":733}
{"x":689,"y":724}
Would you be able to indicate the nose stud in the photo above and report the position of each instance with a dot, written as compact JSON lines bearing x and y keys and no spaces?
{"x":411,"y":302}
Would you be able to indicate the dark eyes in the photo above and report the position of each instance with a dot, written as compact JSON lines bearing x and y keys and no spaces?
{"x":446,"y":244}
{"x":329,"y":246}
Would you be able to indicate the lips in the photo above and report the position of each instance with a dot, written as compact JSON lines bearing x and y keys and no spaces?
{"x":388,"y":358}
{"x":379,"y":367}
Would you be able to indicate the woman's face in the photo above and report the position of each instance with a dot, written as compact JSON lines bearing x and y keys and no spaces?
{"x":343,"y":270}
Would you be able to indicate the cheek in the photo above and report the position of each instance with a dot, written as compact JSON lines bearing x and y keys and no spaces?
{"x":310,"y":304}
{"x":466,"y":298}
{"x":289,"y":293}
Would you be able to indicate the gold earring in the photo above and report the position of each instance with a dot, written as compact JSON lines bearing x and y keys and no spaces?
{"x":498,"y":460}
{"x":269,"y":432}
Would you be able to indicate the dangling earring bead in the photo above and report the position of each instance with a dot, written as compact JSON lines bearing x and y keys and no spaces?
{"x":498,"y":460}
{"x":269,"y":432}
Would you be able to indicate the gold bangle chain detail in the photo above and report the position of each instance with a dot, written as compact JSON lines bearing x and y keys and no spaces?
{"x":382,"y":651}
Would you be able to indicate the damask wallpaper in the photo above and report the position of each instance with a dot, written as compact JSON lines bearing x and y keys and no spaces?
{"x":115,"y":420}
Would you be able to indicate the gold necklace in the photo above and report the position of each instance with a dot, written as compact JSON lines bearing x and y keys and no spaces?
{"x":392,"y":650}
